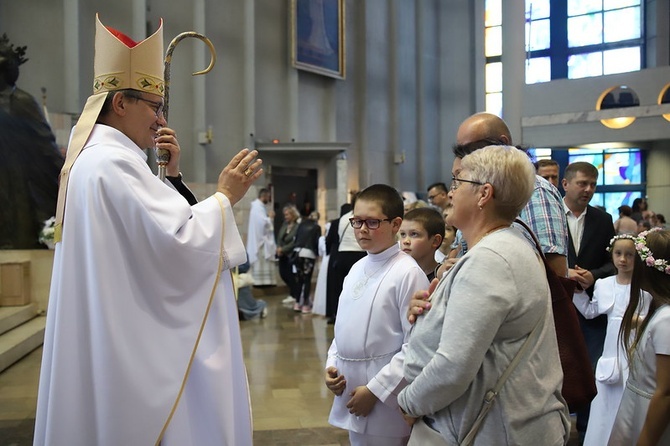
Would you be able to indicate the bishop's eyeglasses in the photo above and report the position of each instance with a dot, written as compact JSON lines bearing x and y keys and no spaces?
{"x":155,"y":105}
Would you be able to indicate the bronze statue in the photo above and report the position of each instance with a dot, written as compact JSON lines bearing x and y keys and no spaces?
{"x":30,"y":160}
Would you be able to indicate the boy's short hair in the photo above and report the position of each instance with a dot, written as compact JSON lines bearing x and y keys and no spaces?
{"x":386,"y":197}
{"x":431,"y":220}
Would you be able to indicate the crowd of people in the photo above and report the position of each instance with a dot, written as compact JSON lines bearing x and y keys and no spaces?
{"x":490,"y":303}
{"x":442,"y":313}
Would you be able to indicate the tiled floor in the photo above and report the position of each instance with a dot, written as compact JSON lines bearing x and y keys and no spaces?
{"x":284,"y":356}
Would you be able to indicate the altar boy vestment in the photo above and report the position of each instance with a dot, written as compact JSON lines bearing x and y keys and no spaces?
{"x":365,"y":360}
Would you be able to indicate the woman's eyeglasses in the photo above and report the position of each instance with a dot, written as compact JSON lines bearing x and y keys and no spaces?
{"x":456,"y":183}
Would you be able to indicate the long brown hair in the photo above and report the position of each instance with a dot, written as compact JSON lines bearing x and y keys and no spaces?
{"x":650,"y":279}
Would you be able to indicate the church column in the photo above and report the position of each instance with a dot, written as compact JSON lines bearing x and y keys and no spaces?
{"x":249,"y":78}
{"x":71,"y":62}
{"x":513,"y":59}
{"x":658,"y":32}
{"x":420,"y":106}
{"x":292,"y":78}
{"x":394,"y":86}
{"x":139,"y":15}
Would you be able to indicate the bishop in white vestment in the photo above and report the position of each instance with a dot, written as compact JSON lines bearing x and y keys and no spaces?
{"x":142,"y":342}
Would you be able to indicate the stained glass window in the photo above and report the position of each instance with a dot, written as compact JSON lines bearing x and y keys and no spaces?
{"x":577,"y":7}
{"x":540,"y":153}
{"x":601,"y":23}
{"x":613,"y":4}
{"x":494,"y":88}
{"x":493,"y":77}
{"x":494,"y":103}
{"x":621,"y":60}
{"x":538,"y":69}
{"x":612,"y":200}
{"x":594,"y":38}
{"x":622,"y":24}
{"x":622,"y":167}
{"x":585,"y":30}
{"x":537,"y":35}
{"x":537,"y":25}
{"x":493,"y":52}
{"x":537,"y":9}
{"x":585,"y":65}
{"x":620,"y":175}
{"x":493,"y":13}
{"x":591,"y":156}
{"x":493,"y":42}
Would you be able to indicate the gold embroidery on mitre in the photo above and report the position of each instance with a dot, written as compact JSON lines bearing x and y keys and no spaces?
{"x":119,"y":65}
{"x":107,"y":82}
{"x":151,"y":84}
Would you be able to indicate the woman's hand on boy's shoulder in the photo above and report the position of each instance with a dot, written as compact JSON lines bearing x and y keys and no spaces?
{"x":420,"y":302}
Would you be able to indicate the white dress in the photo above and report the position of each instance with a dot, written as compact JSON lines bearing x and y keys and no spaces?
{"x":261,"y":245}
{"x":370,"y":330}
{"x":610,"y":298}
{"x":642,"y":382}
{"x":138,"y":276}
{"x":319,"y":306}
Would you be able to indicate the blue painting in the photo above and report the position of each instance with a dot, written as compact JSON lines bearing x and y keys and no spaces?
{"x":318,"y":36}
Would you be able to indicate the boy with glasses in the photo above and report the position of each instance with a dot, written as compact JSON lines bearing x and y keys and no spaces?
{"x":364,"y":368}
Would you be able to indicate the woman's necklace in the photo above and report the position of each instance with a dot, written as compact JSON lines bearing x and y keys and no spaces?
{"x":491,"y":231}
{"x":362,"y":283}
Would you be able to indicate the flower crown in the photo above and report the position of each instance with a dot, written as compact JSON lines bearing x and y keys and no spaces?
{"x":630,"y":237}
{"x":647,"y":256}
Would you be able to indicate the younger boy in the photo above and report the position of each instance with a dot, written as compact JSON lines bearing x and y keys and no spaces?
{"x":421,"y":234}
{"x":364,"y":368}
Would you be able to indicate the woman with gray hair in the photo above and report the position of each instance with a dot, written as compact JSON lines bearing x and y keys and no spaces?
{"x":285,"y":243}
{"x":483,"y":311}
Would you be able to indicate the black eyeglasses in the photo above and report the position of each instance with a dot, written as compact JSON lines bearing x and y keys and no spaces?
{"x":156,"y":106}
{"x":456,"y":183}
{"x":371,"y":223}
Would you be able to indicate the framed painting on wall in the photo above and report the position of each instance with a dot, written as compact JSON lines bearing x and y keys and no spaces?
{"x":317,"y":36}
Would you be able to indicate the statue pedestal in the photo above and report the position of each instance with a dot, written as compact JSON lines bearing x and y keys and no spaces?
{"x":15,"y":284}
{"x":38,"y":264}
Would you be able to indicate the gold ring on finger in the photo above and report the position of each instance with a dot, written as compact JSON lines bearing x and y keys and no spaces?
{"x":248,"y":171}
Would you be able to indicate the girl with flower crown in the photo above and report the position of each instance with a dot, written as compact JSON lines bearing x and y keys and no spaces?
{"x":610,"y":297}
{"x":644,"y":414}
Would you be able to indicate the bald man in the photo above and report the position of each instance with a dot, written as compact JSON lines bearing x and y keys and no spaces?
{"x":544,"y":212}
{"x":481,"y":127}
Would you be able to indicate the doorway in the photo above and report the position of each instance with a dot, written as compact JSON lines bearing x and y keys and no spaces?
{"x":293,"y":185}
